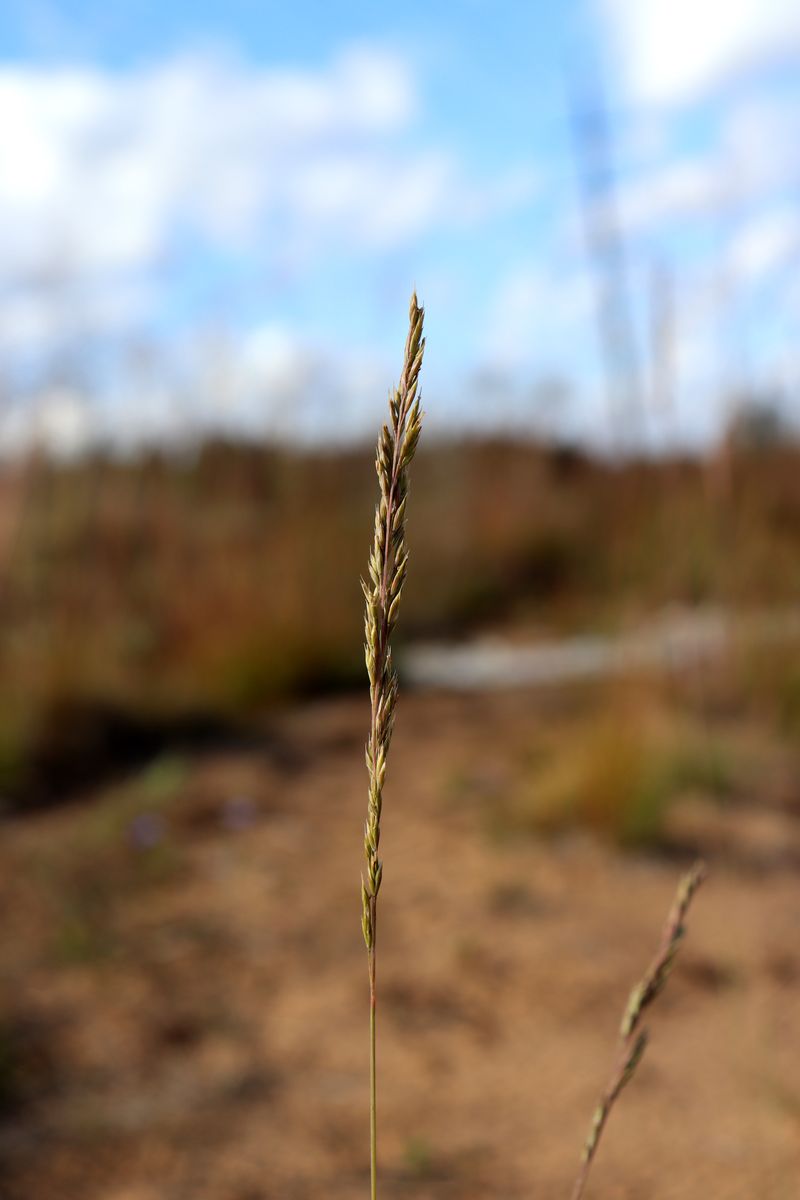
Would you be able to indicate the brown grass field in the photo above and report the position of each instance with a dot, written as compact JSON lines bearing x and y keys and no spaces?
{"x":226,"y":580}
{"x":183,"y":992}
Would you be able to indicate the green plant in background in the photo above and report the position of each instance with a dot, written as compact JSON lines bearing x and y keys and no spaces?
{"x":418,"y":1157}
{"x":387,"y":571}
{"x":618,"y":770}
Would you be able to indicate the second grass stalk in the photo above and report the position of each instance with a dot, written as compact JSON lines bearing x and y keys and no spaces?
{"x":387,"y":571}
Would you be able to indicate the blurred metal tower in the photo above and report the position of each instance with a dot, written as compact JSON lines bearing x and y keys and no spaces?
{"x":593,"y":143}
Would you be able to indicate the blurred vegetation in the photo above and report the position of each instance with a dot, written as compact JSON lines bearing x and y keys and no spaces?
{"x":147,"y":591}
{"x":648,"y":760}
{"x":618,"y":773}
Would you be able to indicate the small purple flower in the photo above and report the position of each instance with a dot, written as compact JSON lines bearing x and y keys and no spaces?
{"x":146,"y":830}
{"x":238,"y":813}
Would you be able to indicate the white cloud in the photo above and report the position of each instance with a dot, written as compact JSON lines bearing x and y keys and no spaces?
{"x":680,"y":189}
{"x":750,"y":160}
{"x":673,"y":51}
{"x":271,"y":380}
{"x":106,"y":177}
{"x":60,"y":422}
{"x":99,"y":170}
{"x":290,"y":385}
{"x":34,"y":318}
{"x":533,"y":313}
{"x":761,"y":143}
{"x":764,"y":244}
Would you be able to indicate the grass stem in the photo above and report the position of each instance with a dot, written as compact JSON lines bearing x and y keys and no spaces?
{"x":387,"y":572}
{"x":373,"y":1081}
{"x":633,"y":1038}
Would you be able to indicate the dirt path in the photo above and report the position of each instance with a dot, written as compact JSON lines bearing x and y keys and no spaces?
{"x":186,"y":998}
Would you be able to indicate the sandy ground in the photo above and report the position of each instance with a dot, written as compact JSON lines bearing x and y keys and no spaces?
{"x":197,"y":1029}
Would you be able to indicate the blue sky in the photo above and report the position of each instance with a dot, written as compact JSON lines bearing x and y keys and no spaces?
{"x":212,"y":214}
